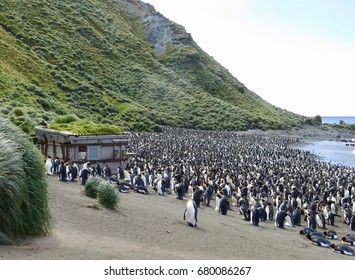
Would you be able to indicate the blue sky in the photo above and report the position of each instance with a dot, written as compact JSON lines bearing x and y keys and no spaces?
{"x":296,"y":54}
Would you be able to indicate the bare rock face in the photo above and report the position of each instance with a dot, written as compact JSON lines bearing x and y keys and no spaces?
{"x":157,"y":29}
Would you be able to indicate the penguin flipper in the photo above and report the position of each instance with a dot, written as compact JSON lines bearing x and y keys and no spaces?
{"x":185,"y":214}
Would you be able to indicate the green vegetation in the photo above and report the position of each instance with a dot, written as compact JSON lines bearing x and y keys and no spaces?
{"x":23,"y":187}
{"x":104,"y":191}
{"x":108,"y":195}
{"x":90,"y":59}
{"x":92,"y":186}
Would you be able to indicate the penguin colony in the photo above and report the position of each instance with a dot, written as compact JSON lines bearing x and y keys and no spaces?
{"x":261,"y":177}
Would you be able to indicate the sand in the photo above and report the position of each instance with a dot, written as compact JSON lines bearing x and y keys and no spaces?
{"x":151,"y":227}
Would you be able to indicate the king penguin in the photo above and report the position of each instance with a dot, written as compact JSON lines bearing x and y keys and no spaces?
{"x":331,"y":234}
{"x":343,"y":249}
{"x":352,"y":223}
{"x":280,"y":219}
{"x":190,"y":214}
{"x":319,"y":240}
{"x":223,"y":206}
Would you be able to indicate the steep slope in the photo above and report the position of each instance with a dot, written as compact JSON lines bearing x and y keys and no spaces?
{"x":118,"y":62}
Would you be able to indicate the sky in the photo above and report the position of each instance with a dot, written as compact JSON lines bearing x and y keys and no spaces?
{"x":296,"y":54}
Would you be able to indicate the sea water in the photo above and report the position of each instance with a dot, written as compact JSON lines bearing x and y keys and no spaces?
{"x":332,"y":151}
{"x":337,"y":119}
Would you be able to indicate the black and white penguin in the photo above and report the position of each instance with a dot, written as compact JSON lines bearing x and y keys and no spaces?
{"x":190,"y":214}
{"x":343,"y":249}
{"x":269,"y":212}
{"x":223,"y":205}
{"x":347,"y":216}
{"x":206,"y":196}
{"x":262,"y":214}
{"x":352,"y":223}
{"x":122,"y":188}
{"x":311,"y":221}
{"x":196,"y":196}
{"x":254,"y":217}
{"x":316,"y":233}
{"x":349,"y":239}
{"x":289,"y":220}
{"x":331,"y":234}
{"x":319,"y":240}
{"x":179,"y":190}
{"x":142,"y":189}
{"x":330,"y":218}
{"x":280,"y":219}
{"x":320,"y":220}
{"x":306,"y":230}
{"x":297,"y":216}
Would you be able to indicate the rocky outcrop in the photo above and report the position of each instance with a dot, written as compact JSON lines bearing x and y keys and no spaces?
{"x":157,"y":29}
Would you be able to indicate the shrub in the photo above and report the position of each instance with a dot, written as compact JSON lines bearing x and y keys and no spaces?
{"x":108,"y":195}
{"x":92,"y":186}
{"x":66,"y":118}
{"x":18,"y":112}
{"x":23,"y":186}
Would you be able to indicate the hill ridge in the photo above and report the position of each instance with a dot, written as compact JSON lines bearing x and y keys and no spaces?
{"x":118,"y":63}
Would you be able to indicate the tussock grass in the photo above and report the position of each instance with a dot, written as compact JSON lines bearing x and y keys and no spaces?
{"x":92,"y":186}
{"x":108,"y":195}
{"x":23,"y":186}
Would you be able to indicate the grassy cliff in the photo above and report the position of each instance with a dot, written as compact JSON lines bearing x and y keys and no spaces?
{"x":105,"y":62}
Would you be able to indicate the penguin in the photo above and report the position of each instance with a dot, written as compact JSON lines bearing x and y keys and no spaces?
{"x":218,"y":198}
{"x":320,"y":220}
{"x":311,"y":221}
{"x":347,"y":216}
{"x":313,"y":208}
{"x":280,"y":219}
{"x":334,"y":208}
{"x":331,"y":234}
{"x":142,"y":189}
{"x":223,"y":206}
{"x":196,"y":196}
{"x":245,"y":211}
{"x":269,"y":212}
{"x":343,"y":249}
{"x":319,"y":240}
{"x":297,"y":216}
{"x":330,"y":218}
{"x":316,"y":233}
{"x":254,"y":217}
{"x":352,"y":223}
{"x":122,"y":188}
{"x":289,"y":220}
{"x":206,"y":196}
{"x":306,"y":230}
{"x":190,"y":214}
{"x":262,"y":214}
{"x":49,"y":166}
{"x":160,"y":187}
{"x":349,"y":239}
{"x":179,"y":191}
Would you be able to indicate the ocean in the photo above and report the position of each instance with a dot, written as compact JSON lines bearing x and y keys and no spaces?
{"x":332,"y":151}
{"x":336,"y":120}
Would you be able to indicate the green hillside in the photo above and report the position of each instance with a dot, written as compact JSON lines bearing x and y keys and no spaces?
{"x":106,"y":62}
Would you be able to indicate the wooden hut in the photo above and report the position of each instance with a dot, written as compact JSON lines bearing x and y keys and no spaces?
{"x":104,"y":148}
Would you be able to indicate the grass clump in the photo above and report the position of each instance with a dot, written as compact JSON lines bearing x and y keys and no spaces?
{"x":92,"y":186}
{"x":24,"y":207}
{"x":86,"y":126}
{"x":66,"y":119}
{"x":104,"y":191}
{"x":108,"y":195}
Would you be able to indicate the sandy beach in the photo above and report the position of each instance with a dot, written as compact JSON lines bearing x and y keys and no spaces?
{"x":152,"y":227}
